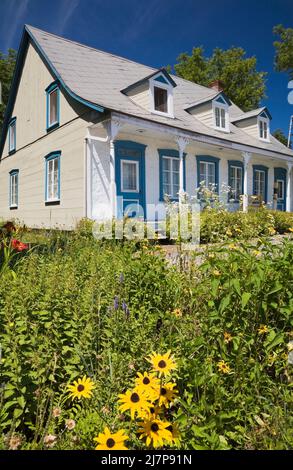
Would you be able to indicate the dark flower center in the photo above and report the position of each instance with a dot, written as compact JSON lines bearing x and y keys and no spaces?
{"x":110,"y":443}
{"x":162,"y":364}
{"x":80,"y":388}
{"x":152,"y":410}
{"x":146,"y":381}
{"x":163,"y":391}
{"x":134,"y":398}
{"x":154,"y":427}
{"x":170,"y":428}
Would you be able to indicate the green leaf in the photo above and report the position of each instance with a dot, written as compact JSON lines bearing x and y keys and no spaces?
{"x":245,"y":299}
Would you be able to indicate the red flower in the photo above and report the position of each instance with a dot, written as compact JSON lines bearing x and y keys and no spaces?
{"x":18,"y":245}
{"x":9,"y":227}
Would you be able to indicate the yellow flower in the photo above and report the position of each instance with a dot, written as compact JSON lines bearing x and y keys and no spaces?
{"x":228,"y":232}
{"x":167,"y":394}
{"x":256,"y":252}
{"x":238,"y":230}
{"x":155,"y":431}
{"x":263,"y":329}
{"x":223,"y":367}
{"x":232,"y":246}
{"x":211,"y":255}
{"x":271,"y":230}
{"x":148,"y":384}
{"x":82,"y":388}
{"x":108,"y":441}
{"x":227,"y":337}
{"x":174,"y":430}
{"x":290,"y":229}
{"x":216,"y":272}
{"x":162,"y":363}
{"x":177,"y":312}
{"x":135,"y":401}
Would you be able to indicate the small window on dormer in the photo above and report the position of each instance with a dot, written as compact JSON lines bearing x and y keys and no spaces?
{"x":221,"y":114}
{"x":161,"y":99}
{"x":263,"y":126}
{"x":161,"y":95}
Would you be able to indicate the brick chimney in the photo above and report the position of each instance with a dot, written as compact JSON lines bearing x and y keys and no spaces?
{"x":217,"y":85}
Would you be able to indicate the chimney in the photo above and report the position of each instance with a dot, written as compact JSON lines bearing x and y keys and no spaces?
{"x":217,"y":85}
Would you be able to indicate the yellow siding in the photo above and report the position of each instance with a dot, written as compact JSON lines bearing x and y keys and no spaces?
{"x":33,"y":144}
{"x":250,"y":126}
{"x":204,"y":113}
{"x":141,"y":95}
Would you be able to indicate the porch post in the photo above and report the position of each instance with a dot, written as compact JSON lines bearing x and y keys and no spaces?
{"x":182,"y":143}
{"x":246,"y":158}
{"x":289,"y":184}
{"x":113,"y":130}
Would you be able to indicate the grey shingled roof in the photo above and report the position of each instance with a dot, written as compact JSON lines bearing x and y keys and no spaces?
{"x":99,"y":77}
{"x":250,"y":114}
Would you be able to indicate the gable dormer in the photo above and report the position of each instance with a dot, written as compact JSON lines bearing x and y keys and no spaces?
{"x":256,"y":123}
{"x":212,"y":111}
{"x":154,"y":93}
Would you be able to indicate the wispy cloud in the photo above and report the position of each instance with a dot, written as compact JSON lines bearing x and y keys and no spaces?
{"x":15,"y":14}
{"x":143,"y":18}
{"x":65,"y":13}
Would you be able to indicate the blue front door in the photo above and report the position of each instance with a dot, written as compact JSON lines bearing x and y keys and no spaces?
{"x":130,"y":179}
{"x":280,"y":188}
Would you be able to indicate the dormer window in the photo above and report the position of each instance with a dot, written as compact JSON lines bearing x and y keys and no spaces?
{"x":264,"y":127}
{"x":161,"y":95}
{"x":221,"y":114}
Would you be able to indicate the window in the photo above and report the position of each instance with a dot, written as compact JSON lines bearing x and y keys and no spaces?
{"x":208,"y":172}
{"x":260,"y":175}
{"x":263,"y":126}
{"x":161,"y":95}
{"x":281,"y":189}
{"x":235,"y":180}
{"x":13,"y":197}
{"x":221,"y":114}
{"x":53,"y":177}
{"x":161,"y":99}
{"x":129,"y":176}
{"x":169,"y":173}
{"x":53,"y":105}
{"x":12,"y":136}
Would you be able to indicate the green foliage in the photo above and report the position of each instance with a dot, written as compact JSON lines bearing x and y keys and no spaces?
{"x":284,"y":49}
{"x":7,"y":64}
{"x":279,"y":134}
{"x":244,"y":85}
{"x":83,"y":307}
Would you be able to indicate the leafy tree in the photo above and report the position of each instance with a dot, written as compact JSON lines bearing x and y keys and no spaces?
{"x":284,"y":49}
{"x":7,"y":63}
{"x":244,"y":85}
{"x":279,"y":134}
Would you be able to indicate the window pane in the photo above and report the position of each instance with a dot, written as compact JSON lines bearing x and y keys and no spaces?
{"x":53,"y":107}
{"x":129,"y":176}
{"x":12,"y":136}
{"x":223,"y":118}
{"x":211,"y":174}
{"x":161,"y":99}
{"x":202,"y":171}
{"x":218,"y":122}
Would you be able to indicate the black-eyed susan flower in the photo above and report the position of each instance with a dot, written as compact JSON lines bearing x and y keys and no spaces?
{"x":174,"y":430}
{"x":162,"y":363}
{"x":223,"y":367}
{"x":149,"y":384}
{"x":177,"y":312}
{"x":155,"y":431}
{"x":263,"y":329}
{"x":82,"y":388}
{"x":227,"y":337}
{"x":153,"y":411}
{"x":167,"y":394}
{"x":135,"y":401}
{"x":108,"y":441}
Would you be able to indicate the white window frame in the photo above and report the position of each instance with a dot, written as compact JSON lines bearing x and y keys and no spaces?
{"x":53,"y":199}
{"x":261,"y":121}
{"x":13,"y":202}
{"x":137,"y":176}
{"x":237,"y":168}
{"x":12,"y":142}
{"x":257,"y":182}
{"x":283,"y":189}
{"x":170,"y":105}
{"x":172,"y":195}
{"x":225,"y":107}
{"x":207,"y":164}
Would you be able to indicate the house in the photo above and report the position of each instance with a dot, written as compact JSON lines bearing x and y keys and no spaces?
{"x":90,"y":134}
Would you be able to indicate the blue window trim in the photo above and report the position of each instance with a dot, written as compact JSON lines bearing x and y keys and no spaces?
{"x":265,"y":169}
{"x":52,"y":87}
{"x":130,"y":145}
{"x":239,"y":164}
{"x":174,"y":154}
{"x":11,"y":174}
{"x":209,"y":159}
{"x":281,"y":174}
{"x":13,"y":150}
{"x":52,"y":156}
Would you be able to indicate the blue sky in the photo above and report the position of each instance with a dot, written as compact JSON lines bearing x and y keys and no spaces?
{"x":155,"y":32}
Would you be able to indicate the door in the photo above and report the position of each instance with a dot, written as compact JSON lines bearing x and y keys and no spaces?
{"x":280,"y":188}
{"x":130,"y":179}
